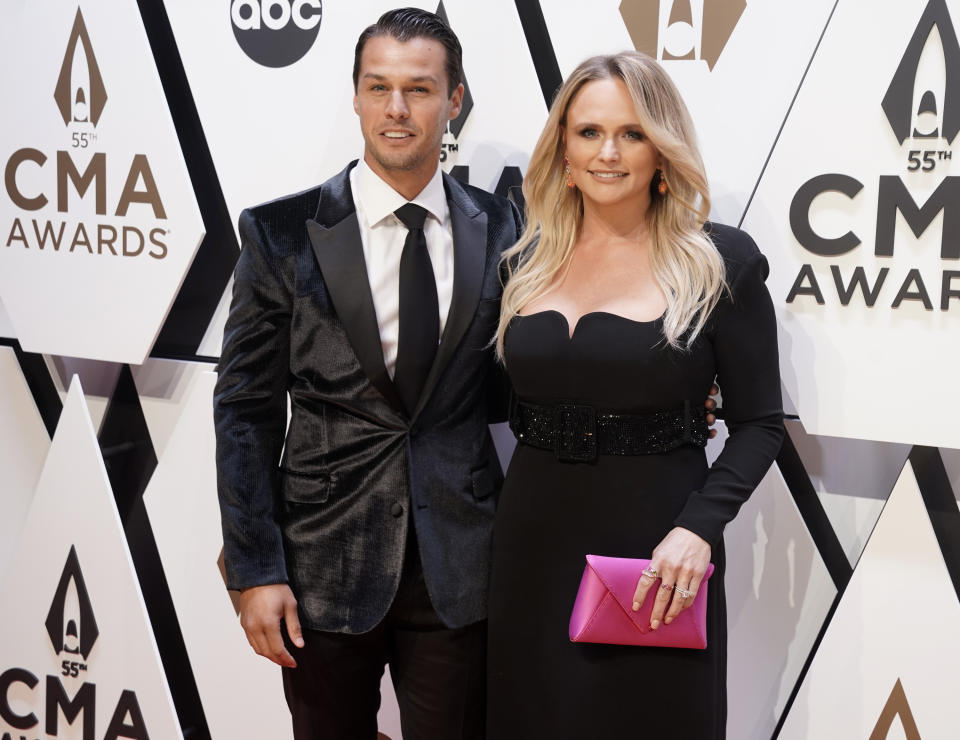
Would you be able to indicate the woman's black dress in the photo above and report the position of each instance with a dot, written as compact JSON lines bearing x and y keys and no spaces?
{"x":551,"y":513}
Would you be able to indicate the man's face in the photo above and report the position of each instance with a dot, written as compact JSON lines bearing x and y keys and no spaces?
{"x":403,"y":104}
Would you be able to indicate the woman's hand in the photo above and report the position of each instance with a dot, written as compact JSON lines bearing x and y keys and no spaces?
{"x":711,"y":405}
{"x":680,"y":560}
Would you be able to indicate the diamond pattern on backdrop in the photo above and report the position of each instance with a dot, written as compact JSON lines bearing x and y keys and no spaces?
{"x":181,"y":500}
{"x":73,"y":516}
{"x":875,"y":639}
{"x":101,"y":223}
{"x":23,"y":446}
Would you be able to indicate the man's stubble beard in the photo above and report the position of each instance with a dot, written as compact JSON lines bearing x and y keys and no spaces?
{"x":407,"y":162}
{"x":398,"y":164}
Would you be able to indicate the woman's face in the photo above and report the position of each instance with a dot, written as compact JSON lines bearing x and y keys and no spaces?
{"x":611,"y":160}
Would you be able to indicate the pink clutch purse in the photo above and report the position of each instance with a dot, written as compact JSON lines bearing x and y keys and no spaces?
{"x":603,"y":611}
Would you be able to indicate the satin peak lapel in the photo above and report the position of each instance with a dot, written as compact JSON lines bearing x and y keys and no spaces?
{"x":469,"y":257}
{"x":339,"y":253}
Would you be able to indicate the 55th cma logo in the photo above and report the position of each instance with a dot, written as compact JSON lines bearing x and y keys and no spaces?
{"x":511,"y":178}
{"x":682,"y":29}
{"x":81,"y":95}
{"x":73,"y":631}
{"x":926,"y":116}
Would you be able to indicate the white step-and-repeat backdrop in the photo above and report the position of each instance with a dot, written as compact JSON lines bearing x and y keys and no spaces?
{"x":134,"y":134}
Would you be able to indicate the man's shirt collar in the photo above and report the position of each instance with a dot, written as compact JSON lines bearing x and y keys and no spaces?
{"x":379,"y":200}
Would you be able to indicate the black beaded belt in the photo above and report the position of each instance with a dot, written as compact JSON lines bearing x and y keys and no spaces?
{"x":578,"y":433}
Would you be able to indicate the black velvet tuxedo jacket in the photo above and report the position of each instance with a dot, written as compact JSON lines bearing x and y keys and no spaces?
{"x":330,"y":516}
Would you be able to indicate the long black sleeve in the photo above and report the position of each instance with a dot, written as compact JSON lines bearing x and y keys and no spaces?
{"x":250,"y":412}
{"x":743,"y":331}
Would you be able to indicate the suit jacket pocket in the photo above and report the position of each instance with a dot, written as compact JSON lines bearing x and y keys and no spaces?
{"x":302,"y":488}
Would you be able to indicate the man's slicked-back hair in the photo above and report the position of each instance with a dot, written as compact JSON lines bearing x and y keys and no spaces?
{"x":404,"y":24}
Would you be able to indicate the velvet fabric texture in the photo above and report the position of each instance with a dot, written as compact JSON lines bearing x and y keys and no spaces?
{"x":331,"y":516}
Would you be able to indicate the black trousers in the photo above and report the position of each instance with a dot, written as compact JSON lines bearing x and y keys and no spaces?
{"x":439,"y":674}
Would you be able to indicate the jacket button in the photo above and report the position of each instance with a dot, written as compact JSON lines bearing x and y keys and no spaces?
{"x":396,"y":510}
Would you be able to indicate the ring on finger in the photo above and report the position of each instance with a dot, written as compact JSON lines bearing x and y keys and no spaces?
{"x":666,"y":586}
{"x":684,"y":593}
{"x":650,"y":572}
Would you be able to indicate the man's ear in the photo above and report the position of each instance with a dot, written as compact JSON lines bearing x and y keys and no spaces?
{"x":456,"y":101}
{"x":356,"y":104}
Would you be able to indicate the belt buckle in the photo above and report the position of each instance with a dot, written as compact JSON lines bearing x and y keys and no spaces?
{"x":575,"y":427}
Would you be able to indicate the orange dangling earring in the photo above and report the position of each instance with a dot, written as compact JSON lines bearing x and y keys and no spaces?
{"x":662,"y":184}
{"x":566,"y":169}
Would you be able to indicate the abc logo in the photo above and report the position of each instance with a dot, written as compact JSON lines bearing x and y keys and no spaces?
{"x":275,"y":33}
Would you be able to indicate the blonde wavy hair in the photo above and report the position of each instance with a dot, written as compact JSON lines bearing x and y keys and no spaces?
{"x":684,"y":262}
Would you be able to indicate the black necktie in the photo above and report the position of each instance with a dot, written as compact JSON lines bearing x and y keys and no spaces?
{"x":419,"y":310}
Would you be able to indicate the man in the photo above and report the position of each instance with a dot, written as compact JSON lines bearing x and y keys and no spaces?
{"x":373,"y":530}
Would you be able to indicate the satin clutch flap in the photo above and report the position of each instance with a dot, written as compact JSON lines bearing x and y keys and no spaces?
{"x":603,"y":611}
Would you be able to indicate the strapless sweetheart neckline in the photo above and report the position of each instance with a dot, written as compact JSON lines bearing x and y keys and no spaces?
{"x":572,"y":333}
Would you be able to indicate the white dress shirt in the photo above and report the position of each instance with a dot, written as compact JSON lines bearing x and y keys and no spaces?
{"x":383,"y":236}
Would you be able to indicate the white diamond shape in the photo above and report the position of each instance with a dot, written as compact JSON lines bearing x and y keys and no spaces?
{"x":74,"y":507}
{"x":897,"y":620}
{"x":878,"y":373}
{"x":107,"y":298}
{"x":23,"y":445}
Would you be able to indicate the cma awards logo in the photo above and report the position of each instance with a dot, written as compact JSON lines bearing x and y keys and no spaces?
{"x":73,"y":632}
{"x":896,"y":707}
{"x":682,"y":29}
{"x":922,"y":106}
{"x":76,"y":173}
{"x":275,"y":33}
{"x":70,"y":622}
{"x":80,"y":93}
{"x":511,"y":178}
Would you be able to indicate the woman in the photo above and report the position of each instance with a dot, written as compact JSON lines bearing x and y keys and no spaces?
{"x":622,"y":306}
